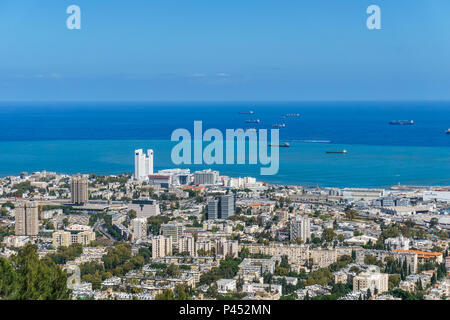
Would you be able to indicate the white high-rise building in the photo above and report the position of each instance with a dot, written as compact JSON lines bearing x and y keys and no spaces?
{"x":143,"y":164}
{"x":300,"y":228}
{"x":139,"y":228}
{"x":206,"y":177}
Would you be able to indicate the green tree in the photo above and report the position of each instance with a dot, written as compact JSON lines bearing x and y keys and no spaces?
{"x":165,"y":295}
{"x":8,"y":205}
{"x":371,"y":260}
{"x":353,"y":255}
{"x":328,"y":235}
{"x":181,"y":292}
{"x":350,"y":213}
{"x":26,"y":277}
{"x":335,"y":225}
{"x":433,"y":278}
{"x":145,"y":253}
{"x":433,"y":222}
{"x":283,"y":268}
{"x":394,"y":280}
{"x":227,"y":269}
{"x":3,"y":212}
{"x":132,"y":214}
{"x":117,"y":260}
{"x":244,"y":253}
{"x":404,"y":295}
{"x":8,"y":280}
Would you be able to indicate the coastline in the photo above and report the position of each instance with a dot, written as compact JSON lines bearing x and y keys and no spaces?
{"x":304,"y":163}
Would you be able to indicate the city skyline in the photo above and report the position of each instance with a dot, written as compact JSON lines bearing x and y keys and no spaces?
{"x":274,"y":243}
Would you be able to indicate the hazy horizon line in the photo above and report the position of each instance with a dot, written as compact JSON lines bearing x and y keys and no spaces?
{"x":223,"y":101}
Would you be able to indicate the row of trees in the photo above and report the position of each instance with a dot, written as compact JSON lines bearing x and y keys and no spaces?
{"x":26,"y":277}
{"x":64,"y":254}
{"x":227,"y":269}
{"x":393,"y":266}
{"x":181,"y":292}
{"x":117,"y":262}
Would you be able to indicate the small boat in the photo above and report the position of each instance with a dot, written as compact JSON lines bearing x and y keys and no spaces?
{"x":247,"y":112}
{"x":316,"y":141}
{"x":448,"y":131}
{"x":253,"y":121}
{"x":402,"y":122}
{"x":343,"y":151}
{"x":284,"y":145}
{"x":282,"y":125}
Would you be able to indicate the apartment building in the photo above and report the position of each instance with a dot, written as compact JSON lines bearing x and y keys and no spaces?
{"x":297,"y":254}
{"x":187,"y":244}
{"x":27,"y":219}
{"x":139,"y":228}
{"x":174,"y":230}
{"x":373,"y":280}
{"x":161,"y":246}
{"x":323,"y":257}
{"x":227,"y":248}
{"x":79,"y":190}
{"x":300,"y":228}
{"x":64,"y":238}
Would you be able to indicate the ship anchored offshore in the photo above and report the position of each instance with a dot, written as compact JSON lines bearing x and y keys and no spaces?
{"x":402,"y":122}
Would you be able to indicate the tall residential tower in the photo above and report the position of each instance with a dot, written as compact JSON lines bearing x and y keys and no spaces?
{"x":79,"y":189}
{"x":300,"y":228}
{"x":161,"y":246}
{"x":222,"y":207}
{"x":27,"y":219}
{"x":139,"y":228}
{"x":143,"y":164}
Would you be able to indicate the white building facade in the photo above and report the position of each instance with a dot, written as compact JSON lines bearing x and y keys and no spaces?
{"x":300,"y":227}
{"x":139,"y":228}
{"x":143,"y":164}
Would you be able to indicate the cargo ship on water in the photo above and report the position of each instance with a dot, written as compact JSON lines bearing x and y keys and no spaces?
{"x":281,"y":125}
{"x":247,"y":112}
{"x":292,"y":115}
{"x":253,"y":121}
{"x":340,"y":152}
{"x":402,"y":122}
{"x":284,"y":145}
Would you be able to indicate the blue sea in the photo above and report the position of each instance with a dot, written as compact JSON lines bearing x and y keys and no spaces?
{"x":101,"y":137}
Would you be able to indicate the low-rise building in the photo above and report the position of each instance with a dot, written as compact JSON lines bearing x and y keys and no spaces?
{"x":425,"y":256}
{"x":323,"y":257}
{"x":66,"y":238}
{"x":297,"y":254}
{"x":371,"y":279}
{"x":226,"y":285}
{"x":257,"y":287}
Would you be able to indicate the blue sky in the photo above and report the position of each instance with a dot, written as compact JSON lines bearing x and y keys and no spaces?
{"x":252,"y":50}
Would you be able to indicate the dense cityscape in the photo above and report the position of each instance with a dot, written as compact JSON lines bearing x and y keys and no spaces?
{"x":181,"y":235}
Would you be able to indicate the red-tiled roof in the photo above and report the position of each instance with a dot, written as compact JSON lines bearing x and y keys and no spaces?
{"x":424,"y":254}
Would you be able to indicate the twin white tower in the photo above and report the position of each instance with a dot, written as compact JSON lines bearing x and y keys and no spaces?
{"x":143,"y":164}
